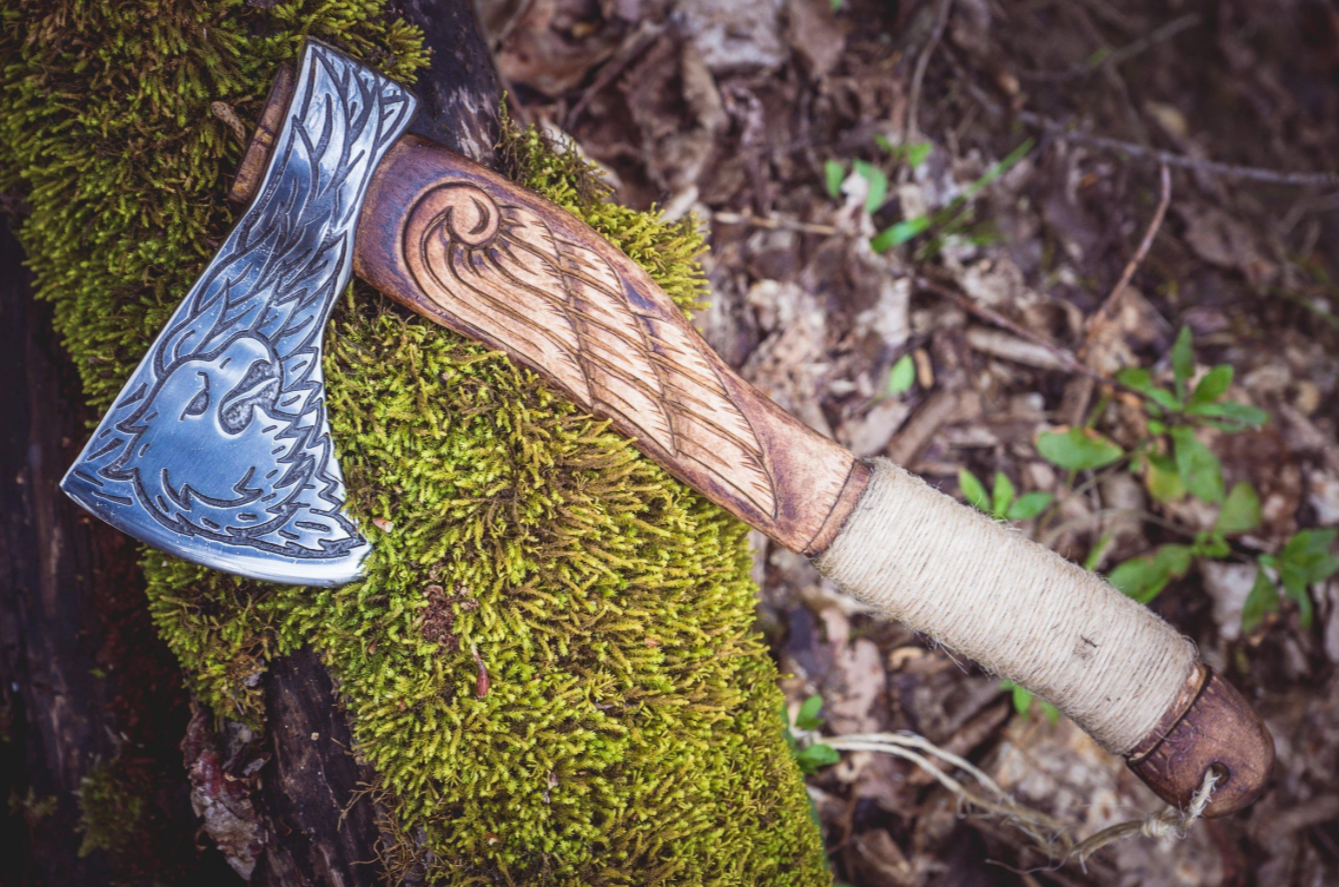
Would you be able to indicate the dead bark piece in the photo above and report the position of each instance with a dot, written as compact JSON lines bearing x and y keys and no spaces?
{"x":323,"y":826}
{"x":222,"y":798}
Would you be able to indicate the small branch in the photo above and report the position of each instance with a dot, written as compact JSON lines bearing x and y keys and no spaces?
{"x":1067,"y":133}
{"x":1169,"y":158}
{"x":775,"y":223}
{"x":224,"y":112}
{"x":630,"y":50}
{"x":1065,"y":357}
{"x":1049,"y":835}
{"x":1120,"y":56}
{"x":909,"y":128}
{"x":1164,"y":201}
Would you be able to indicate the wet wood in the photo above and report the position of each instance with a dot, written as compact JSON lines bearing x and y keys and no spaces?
{"x":321,"y":821}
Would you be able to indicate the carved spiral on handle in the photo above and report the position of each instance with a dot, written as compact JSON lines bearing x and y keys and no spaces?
{"x":455,"y":212}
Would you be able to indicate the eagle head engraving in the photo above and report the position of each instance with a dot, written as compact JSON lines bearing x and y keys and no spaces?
{"x":210,"y":452}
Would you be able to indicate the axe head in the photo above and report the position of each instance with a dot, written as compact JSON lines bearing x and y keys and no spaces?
{"x":218,"y":449}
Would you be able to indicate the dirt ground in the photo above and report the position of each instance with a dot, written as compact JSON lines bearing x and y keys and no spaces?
{"x":975,"y":305}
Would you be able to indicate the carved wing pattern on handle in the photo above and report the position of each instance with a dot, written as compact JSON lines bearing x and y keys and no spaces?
{"x":503,"y":268}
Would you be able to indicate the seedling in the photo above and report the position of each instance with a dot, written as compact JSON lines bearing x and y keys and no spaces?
{"x":1002,"y":503}
{"x":876,"y":182}
{"x":1024,"y":702}
{"x":1305,"y":560}
{"x":952,"y":218}
{"x":1174,"y":463}
{"x":813,"y":755}
{"x":903,"y":376}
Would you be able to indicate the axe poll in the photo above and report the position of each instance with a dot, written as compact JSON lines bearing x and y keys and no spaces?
{"x":218,"y":449}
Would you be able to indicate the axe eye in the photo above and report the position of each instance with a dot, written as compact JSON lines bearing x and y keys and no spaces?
{"x":200,"y":402}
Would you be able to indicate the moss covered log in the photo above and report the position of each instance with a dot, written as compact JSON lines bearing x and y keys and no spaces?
{"x":551,"y":664}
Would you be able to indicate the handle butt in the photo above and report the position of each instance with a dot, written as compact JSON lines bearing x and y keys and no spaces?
{"x":1209,"y":726}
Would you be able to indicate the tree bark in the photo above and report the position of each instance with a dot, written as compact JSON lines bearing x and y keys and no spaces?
{"x":86,"y":683}
{"x":86,"y":686}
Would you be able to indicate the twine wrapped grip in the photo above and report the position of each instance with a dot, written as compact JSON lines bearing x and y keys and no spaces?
{"x":1015,"y":607}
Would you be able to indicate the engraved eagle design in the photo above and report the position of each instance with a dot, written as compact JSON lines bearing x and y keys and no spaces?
{"x":502,"y":271}
{"x":219,"y":446}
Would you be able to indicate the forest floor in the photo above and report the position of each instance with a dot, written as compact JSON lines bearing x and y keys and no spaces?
{"x":939,"y":230}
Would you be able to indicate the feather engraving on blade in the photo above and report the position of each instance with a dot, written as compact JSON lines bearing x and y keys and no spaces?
{"x":504,"y":273}
{"x":219,"y":446}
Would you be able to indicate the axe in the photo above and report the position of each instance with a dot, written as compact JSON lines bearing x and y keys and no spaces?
{"x":218,"y":449}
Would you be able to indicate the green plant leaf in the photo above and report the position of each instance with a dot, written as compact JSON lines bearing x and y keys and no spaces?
{"x":899,"y":234}
{"x":1138,"y":577}
{"x":917,"y":153}
{"x":1029,"y":505}
{"x":1003,"y":496}
{"x":834,"y":173}
{"x":1022,"y":700}
{"x":1305,"y":561}
{"x":1211,"y":545}
{"x":1162,"y":479}
{"x":996,"y":170}
{"x":1095,"y":556}
{"x":974,"y":490}
{"x":1213,"y":385}
{"x":1137,"y":378}
{"x":815,"y":756}
{"x":903,"y":375}
{"x":1199,"y":468}
{"x":1241,"y":510}
{"x":1263,"y":598}
{"x":807,"y":718}
{"x":1183,"y":360}
{"x":1239,"y":414}
{"x":1143,"y":578}
{"x":1078,"y":449}
{"x":877,"y":181}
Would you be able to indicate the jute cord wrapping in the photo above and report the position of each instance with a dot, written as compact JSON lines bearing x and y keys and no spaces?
{"x":1017,"y":608}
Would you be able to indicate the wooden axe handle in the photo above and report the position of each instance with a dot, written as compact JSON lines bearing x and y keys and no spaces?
{"x":473,"y":252}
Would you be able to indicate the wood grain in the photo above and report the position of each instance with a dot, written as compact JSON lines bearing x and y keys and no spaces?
{"x":473,"y":252}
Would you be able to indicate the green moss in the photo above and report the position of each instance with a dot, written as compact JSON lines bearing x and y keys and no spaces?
{"x":627,"y":732}
{"x":112,"y":808}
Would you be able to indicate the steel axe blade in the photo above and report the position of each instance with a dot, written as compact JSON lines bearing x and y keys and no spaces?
{"x":218,"y":448}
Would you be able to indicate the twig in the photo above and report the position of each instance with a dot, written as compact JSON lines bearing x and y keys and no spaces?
{"x":1063,"y":355}
{"x":224,"y":112}
{"x":1164,"y":201}
{"x":1170,"y":158}
{"x":1124,"y":54}
{"x":1067,"y":133}
{"x":630,"y":50}
{"x":1048,"y":833}
{"x":774,"y":223}
{"x":1107,"y":11}
{"x":909,"y":128}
